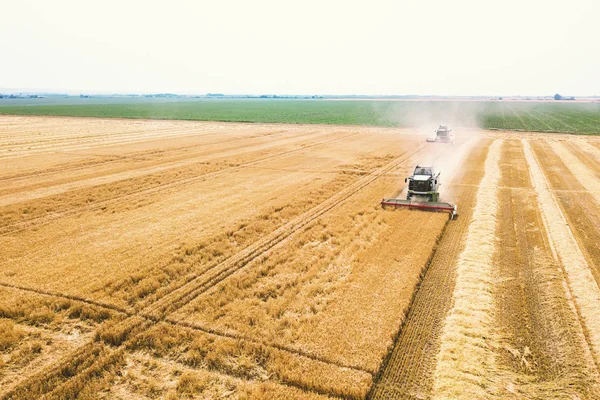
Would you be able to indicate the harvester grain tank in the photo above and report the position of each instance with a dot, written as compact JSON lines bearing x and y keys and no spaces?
{"x":423,"y":193}
{"x":442,"y":135}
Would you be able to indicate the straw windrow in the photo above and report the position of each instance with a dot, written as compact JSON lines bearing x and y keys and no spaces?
{"x":466,"y":358}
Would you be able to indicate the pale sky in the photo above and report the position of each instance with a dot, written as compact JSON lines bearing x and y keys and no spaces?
{"x":459,"y":47}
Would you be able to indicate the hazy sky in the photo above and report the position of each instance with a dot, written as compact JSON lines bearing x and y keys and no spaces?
{"x":458,"y":47}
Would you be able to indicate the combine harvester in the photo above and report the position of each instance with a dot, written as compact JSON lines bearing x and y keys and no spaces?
{"x":422,"y":193}
{"x":442,"y":135}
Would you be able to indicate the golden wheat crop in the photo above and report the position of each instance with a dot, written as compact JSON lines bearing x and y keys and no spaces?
{"x":172,"y":259}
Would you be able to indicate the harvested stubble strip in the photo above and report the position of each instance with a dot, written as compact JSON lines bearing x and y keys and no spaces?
{"x":513,"y":267}
{"x":578,"y":206}
{"x":543,"y":352}
{"x":589,"y":160}
{"x":583,"y":174}
{"x":582,"y":285}
{"x":587,"y":147}
{"x":590,"y":148}
{"x":466,"y":360}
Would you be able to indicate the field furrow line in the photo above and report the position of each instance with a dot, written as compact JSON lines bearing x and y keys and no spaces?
{"x":466,"y":360}
{"x":581,"y":283}
{"x":535,"y":117}
{"x":560,"y":121}
{"x":582,"y":173}
{"x":519,"y":117}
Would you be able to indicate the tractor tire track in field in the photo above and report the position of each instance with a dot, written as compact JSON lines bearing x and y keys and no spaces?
{"x":519,"y":117}
{"x":98,"y":205}
{"x":533,"y":115}
{"x":157,"y":311}
{"x":73,"y":357}
{"x":288,"y":349}
{"x":104,"y":132}
{"x":189,"y":325}
{"x":79,"y":299}
{"x":408,"y":369}
{"x":560,"y":121}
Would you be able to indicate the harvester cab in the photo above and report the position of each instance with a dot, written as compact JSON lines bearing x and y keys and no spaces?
{"x":423,"y":183}
{"x":422,"y":193}
{"x":442,"y":135}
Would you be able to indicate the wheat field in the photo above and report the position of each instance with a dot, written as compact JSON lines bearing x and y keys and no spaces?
{"x":177,"y":259}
